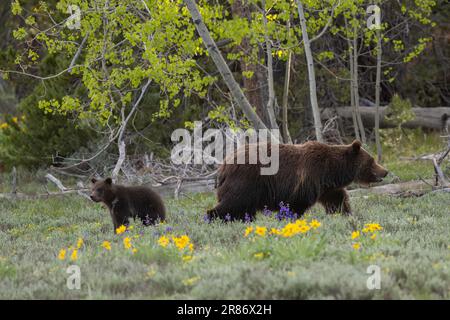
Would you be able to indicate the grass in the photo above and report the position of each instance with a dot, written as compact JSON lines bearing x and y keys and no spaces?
{"x":412,"y":250}
{"x":400,"y":147}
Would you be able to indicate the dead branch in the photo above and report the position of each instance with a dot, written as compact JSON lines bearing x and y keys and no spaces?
{"x":56,"y":181}
{"x":440,"y":178}
{"x":80,"y":191}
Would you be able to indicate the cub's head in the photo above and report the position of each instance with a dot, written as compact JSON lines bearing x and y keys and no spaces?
{"x":102,"y":190}
{"x":367,"y":169}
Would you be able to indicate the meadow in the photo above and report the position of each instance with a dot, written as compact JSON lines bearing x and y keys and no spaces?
{"x":318,"y":256}
{"x":412,"y":250}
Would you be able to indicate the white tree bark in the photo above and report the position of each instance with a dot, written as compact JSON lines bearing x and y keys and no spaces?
{"x":311,"y":73}
{"x":377,"y":97}
{"x":287,"y":76}
{"x":352,"y":95}
{"x":271,"y":100}
{"x":356,"y":86}
{"x":223,"y":68}
{"x":120,"y":139}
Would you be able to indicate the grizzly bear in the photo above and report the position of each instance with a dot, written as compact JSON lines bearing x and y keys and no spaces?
{"x":125,"y":202}
{"x":308,"y":173}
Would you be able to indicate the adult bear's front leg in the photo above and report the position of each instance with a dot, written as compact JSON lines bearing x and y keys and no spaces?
{"x":336,"y":201}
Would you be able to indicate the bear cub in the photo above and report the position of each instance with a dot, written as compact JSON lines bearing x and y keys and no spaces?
{"x":128,"y":202}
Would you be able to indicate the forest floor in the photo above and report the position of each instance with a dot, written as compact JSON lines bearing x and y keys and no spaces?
{"x":327,"y":261}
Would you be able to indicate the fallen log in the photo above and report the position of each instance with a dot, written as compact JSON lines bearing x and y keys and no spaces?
{"x":430,"y":118}
{"x":394,"y":189}
{"x":24,"y":196}
{"x":208,"y":186}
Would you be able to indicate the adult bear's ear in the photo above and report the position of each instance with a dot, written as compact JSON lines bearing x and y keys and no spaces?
{"x":356,"y":145}
{"x":93,"y":180}
{"x":108,"y":181}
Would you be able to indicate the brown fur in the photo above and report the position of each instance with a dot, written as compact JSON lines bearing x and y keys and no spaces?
{"x":308,"y":173}
{"x":126,"y":202}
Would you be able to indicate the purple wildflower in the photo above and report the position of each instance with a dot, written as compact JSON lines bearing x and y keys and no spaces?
{"x":267,"y":212}
{"x":228,"y":217}
{"x":285,"y":213}
{"x":247,"y":218}
{"x":169,"y":229}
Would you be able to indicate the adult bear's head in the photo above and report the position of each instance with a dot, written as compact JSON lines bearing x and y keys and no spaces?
{"x":367,"y":169}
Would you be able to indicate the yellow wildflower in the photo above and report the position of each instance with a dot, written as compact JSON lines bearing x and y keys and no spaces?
{"x":355,"y":234}
{"x":127,"y":242}
{"x":190,"y":281}
{"x":181,"y":242}
{"x":292,"y":229}
{"x":4,"y":125}
{"x":163,"y":241}
{"x":191,"y":247}
{"x":301,"y":222}
{"x":121,"y":229}
{"x":79,"y":243}
{"x":248,"y":230}
{"x":373,"y":236}
{"x":134,"y":250}
{"x":74,"y":255}
{"x":304,"y":229}
{"x":106,"y":245}
{"x":356,"y":246}
{"x":261,"y":231}
{"x":187,"y":258}
{"x":315,"y":224}
{"x":151,"y":273}
{"x":259,"y":255}
{"x":62,"y":254}
{"x":14,"y":119}
{"x":275,"y":231}
{"x":372,"y":227}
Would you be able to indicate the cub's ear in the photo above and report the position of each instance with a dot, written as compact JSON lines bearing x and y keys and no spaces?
{"x":356,"y":145}
{"x":108,"y":181}
{"x":93,"y":180}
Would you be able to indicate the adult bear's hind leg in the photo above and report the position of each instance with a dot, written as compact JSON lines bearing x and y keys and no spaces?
{"x":336,"y":201}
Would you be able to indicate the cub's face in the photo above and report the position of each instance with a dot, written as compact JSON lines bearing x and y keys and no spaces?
{"x":369,"y":171}
{"x":101,"y":190}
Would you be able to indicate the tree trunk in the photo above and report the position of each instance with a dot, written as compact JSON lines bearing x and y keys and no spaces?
{"x":352,"y":95}
{"x":287,"y":75}
{"x":255,"y":85}
{"x":123,"y":126}
{"x":356,"y":87}
{"x":271,"y":100}
{"x":311,"y":73}
{"x":223,"y":68}
{"x":377,"y":98}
